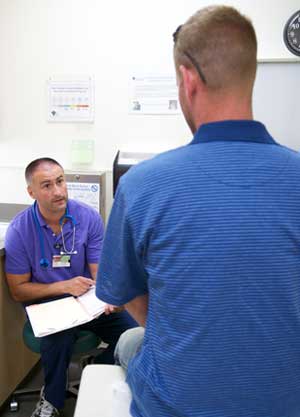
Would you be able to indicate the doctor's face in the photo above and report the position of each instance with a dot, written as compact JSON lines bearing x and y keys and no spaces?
{"x":48,"y":186}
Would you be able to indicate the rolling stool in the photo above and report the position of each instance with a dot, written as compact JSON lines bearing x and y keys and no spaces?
{"x":86,"y":342}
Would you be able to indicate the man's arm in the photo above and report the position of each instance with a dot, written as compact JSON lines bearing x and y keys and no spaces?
{"x":93,"y":270}
{"x":96,"y":241}
{"x":138,"y":309}
{"x":122,"y":275}
{"x":22,"y":289}
{"x":109,"y":308}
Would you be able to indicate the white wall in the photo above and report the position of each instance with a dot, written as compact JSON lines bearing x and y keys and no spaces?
{"x":276,"y":101}
{"x":112,"y":41}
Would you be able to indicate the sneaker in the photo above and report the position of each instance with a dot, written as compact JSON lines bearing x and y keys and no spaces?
{"x":44,"y":409}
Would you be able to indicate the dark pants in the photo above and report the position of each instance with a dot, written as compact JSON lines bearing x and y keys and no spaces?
{"x":56,"y":351}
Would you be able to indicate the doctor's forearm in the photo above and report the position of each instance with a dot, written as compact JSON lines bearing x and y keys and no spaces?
{"x":31,"y":291}
{"x":138,"y":309}
{"x":93,"y":270}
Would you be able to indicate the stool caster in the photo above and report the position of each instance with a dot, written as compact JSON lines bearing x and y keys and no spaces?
{"x":13,"y":405}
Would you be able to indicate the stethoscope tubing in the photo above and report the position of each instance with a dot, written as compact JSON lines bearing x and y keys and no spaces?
{"x":44,"y":262}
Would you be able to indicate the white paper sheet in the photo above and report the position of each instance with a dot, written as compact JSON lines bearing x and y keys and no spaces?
{"x":155,"y":94}
{"x":92,"y":305}
{"x":54,"y":316}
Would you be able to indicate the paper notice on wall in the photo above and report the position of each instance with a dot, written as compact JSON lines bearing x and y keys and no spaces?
{"x":88,"y":193}
{"x":71,"y":100}
{"x":153,"y":95}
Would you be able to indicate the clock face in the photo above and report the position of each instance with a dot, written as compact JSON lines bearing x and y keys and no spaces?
{"x":291,"y":33}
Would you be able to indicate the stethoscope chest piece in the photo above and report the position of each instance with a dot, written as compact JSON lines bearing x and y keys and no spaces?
{"x":44,"y":263}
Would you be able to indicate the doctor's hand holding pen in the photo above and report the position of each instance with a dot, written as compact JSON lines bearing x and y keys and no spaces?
{"x":77,"y":286}
{"x":109,"y":308}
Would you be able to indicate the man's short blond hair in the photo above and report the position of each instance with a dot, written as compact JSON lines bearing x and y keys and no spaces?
{"x":222,"y":43}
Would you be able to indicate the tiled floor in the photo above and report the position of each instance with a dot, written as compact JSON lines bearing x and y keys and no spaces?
{"x":27,"y":402}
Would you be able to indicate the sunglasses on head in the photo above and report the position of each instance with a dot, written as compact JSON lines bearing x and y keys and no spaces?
{"x":189,"y":56}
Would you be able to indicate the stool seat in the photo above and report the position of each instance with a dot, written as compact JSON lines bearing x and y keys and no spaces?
{"x":85,"y":342}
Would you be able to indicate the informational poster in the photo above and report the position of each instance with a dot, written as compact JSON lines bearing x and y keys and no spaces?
{"x":153,"y":95}
{"x":86,"y":192}
{"x":71,"y":100}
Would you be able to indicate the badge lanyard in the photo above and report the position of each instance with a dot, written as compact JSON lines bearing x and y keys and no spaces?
{"x":44,"y":262}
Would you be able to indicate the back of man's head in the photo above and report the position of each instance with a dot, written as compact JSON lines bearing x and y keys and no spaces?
{"x":34,"y":165}
{"x":221,"y":43}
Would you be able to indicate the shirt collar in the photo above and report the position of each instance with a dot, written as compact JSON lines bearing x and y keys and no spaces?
{"x":41,"y":219}
{"x":233,"y":130}
{"x":74,"y":211}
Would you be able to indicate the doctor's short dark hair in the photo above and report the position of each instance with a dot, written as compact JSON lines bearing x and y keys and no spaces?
{"x":32,"y":167}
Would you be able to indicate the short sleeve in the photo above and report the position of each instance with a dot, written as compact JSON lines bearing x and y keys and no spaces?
{"x":16,"y":258}
{"x":121,"y":276}
{"x":95,"y":238}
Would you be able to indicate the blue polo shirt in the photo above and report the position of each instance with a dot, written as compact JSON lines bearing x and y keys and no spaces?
{"x":23,"y":247}
{"x":211,"y":231}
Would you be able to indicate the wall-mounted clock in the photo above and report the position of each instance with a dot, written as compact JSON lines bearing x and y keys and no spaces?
{"x":291,"y":33}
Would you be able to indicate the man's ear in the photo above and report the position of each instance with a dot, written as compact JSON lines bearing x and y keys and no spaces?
{"x":30,"y":192}
{"x":188,"y":78}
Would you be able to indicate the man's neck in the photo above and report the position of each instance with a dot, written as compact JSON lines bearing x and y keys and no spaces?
{"x":231,"y":105}
{"x":52,"y":218}
{"x":225,"y":111}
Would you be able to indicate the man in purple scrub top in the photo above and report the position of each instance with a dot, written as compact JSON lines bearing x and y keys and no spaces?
{"x":52,"y":250}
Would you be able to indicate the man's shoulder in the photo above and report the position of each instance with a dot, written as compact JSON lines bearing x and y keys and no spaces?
{"x":162,"y":159}
{"x":21,"y":219}
{"x":19,"y":227}
{"x":80,"y":205}
{"x":292,"y":157}
{"x":291,"y":152}
{"x":81,"y":210}
{"x":155,"y":166}
{"x":142,"y":181}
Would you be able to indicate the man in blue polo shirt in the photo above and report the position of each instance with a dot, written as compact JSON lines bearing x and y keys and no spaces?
{"x":52,"y":250}
{"x":203,"y":245}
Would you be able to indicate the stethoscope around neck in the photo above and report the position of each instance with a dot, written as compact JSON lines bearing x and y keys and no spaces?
{"x":44,"y":262}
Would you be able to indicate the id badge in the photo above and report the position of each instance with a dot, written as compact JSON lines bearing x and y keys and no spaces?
{"x":61,"y":261}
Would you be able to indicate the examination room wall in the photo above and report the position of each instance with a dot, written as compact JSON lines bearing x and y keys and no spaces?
{"x":111,"y":42}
